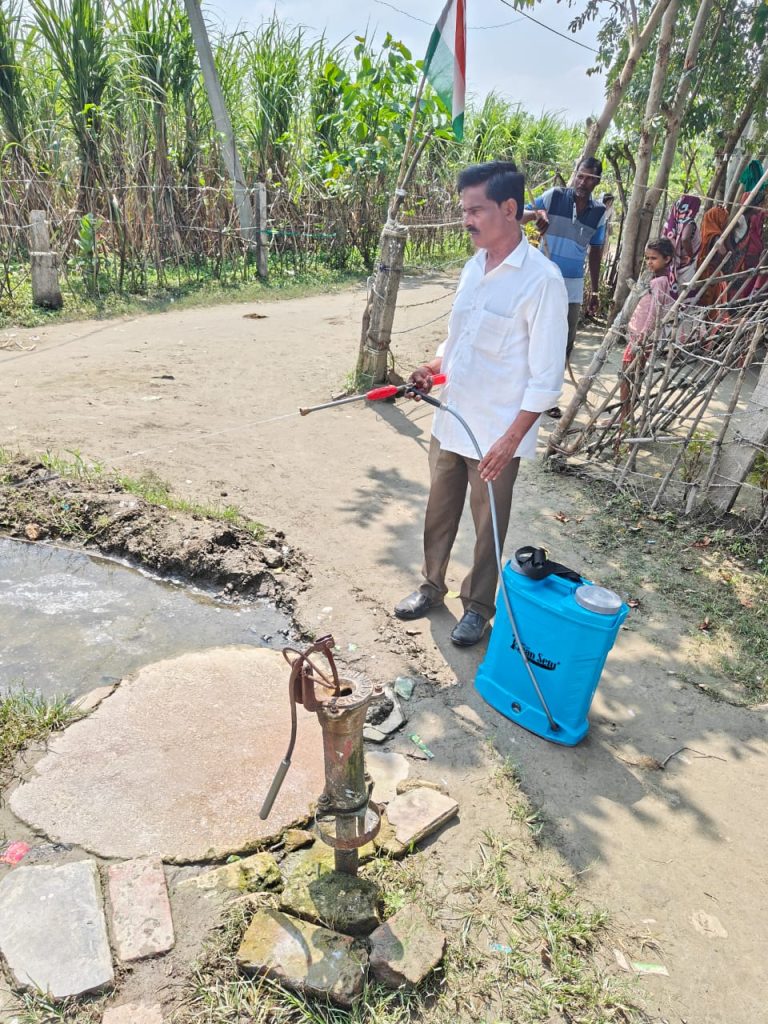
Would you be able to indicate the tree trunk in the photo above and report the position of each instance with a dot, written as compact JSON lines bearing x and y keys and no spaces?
{"x":619,"y":87}
{"x":627,"y":263}
{"x":756,"y":93}
{"x":380,"y":311}
{"x":220,"y":116}
{"x":739,"y":455}
{"x":674,"y":120}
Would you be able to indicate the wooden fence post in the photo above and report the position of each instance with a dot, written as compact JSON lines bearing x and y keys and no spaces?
{"x":738,"y":456}
{"x":262,"y":238}
{"x":45,"y":276}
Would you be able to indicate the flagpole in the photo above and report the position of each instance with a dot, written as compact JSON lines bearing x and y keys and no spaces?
{"x":403,"y":175}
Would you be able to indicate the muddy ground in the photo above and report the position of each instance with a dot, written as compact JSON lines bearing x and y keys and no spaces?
{"x":207,"y":400}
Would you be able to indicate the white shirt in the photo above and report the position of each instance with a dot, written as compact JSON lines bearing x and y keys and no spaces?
{"x":505,"y":349}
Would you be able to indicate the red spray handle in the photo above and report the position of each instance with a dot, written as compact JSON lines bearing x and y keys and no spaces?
{"x":390,"y":390}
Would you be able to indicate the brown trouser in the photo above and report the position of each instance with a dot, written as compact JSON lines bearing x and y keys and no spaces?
{"x":450,"y":475}
{"x":574,"y":312}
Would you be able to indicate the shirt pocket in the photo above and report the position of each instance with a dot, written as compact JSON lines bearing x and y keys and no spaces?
{"x":493,"y":333}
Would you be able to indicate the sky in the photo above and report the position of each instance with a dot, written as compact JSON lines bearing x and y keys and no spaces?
{"x":521,"y":61}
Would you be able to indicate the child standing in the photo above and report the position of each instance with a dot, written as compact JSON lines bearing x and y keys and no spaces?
{"x":644,"y":322}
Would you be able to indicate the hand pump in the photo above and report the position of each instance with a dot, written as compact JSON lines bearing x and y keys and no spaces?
{"x":346,"y":817}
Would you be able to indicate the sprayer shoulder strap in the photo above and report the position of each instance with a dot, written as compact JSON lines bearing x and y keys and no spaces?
{"x":533,"y":562}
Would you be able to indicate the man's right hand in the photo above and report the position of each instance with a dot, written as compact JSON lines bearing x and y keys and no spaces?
{"x":542,"y":221}
{"x":421,"y":378}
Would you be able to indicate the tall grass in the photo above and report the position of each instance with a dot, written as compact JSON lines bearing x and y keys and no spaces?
{"x":277,"y":62}
{"x":13,"y":101}
{"x":78,"y":40}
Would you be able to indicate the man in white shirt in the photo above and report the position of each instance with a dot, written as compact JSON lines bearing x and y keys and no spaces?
{"x":504,"y":358}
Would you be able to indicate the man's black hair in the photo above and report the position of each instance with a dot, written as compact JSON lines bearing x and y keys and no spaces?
{"x":592,"y":165}
{"x":502,"y":181}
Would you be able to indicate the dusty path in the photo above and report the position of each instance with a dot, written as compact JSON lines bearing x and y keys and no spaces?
{"x":204,"y":398}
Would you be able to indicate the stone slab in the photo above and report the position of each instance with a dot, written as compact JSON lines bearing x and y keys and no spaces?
{"x":141,"y":913}
{"x":418,"y":813}
{"x":203,"y":734}
{"x":304,"y":957}
{"x":133,"y":1013}
{"x":311,"y":883}
{"x":404,"y":687}
{"x":386,"y":770}
{"x":405,"y":948}
{"x":317,"y":859}
{"x":52,"y":929}
{"x":251,"y":874}
{"x":297,"y":839}
{"x":395,"y":719}
{"x":340,"y":901}
{"x":93,"y":698}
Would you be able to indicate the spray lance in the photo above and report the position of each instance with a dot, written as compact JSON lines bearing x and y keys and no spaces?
{"x":375,"y":395}
{"x":411,"y":391}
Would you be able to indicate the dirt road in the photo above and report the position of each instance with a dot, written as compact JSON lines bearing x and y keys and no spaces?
{"x":207,"y":399}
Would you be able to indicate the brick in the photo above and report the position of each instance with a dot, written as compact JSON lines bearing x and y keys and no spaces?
{"x":141,"y":913}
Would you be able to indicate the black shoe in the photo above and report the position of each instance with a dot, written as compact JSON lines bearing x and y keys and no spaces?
{"x":555,"y":413}
{"x":469,"y":629}
{"x":415,"y":606}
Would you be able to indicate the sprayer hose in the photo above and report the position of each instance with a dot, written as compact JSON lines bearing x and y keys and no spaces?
{"x":497,"y":545}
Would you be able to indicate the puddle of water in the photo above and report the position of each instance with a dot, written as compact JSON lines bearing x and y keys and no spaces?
{"x":70,"y":621}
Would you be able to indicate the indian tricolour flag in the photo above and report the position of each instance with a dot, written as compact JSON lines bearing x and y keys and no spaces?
{"x":446,"y":62}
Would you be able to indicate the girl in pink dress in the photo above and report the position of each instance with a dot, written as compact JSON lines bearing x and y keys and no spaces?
{"x":644,"y":323}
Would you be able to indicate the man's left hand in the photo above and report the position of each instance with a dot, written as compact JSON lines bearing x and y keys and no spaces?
{"x":593,"y":306}
{"x":497,"y":458}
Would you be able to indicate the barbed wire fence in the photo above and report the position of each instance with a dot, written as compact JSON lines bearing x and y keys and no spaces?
{"x":131,"y":239}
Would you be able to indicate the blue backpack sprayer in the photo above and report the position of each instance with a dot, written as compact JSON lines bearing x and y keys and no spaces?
{"x":569,"y":625}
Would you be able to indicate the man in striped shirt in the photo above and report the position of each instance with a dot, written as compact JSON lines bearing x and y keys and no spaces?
{"x":575,"y":231}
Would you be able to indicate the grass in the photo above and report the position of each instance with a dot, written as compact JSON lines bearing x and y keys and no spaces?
{"x":25,"y":717}
{"x":39,"y":1009}
{"x":62,"y":515}
{"x":19,"y":311}
{"x":712,"y":576}
{"x":155,"y":491}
